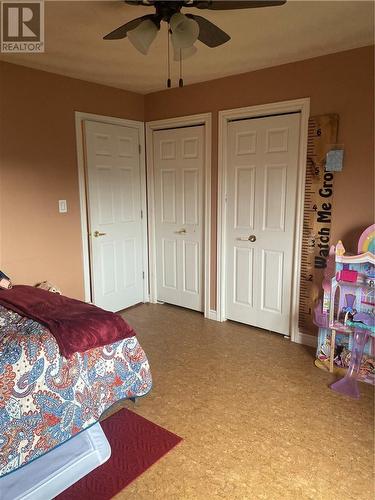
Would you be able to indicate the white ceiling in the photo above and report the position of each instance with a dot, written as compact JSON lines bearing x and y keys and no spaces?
{"x":260,"y":38}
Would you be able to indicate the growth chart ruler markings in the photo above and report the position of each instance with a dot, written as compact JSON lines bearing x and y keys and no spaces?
{"x":317,"y":216}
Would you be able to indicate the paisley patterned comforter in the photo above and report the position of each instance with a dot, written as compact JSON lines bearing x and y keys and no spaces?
{"x":46,"y":399}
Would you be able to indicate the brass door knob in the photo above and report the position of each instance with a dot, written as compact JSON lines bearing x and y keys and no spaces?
{"x":98,"y":233}
{"x":252,"y":238}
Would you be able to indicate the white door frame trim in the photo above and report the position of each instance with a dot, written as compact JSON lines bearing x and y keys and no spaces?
{"x":82,"y":179}
{"x":181,"y":121}
{"x":298,"y":105}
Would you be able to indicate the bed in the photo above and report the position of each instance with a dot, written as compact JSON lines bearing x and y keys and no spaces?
{"x":45,"y":398}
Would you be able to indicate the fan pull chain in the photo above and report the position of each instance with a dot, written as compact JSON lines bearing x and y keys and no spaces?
{"x":181,"y":81}
{"x":169,"y":82}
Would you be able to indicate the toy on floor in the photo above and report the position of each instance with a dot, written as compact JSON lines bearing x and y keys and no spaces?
{"x":346,"y":317}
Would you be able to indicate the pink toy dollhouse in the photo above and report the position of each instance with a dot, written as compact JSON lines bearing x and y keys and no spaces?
{"x":346,"y":317}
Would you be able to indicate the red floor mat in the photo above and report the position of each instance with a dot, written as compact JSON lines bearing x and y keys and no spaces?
{"x":136,"y":444}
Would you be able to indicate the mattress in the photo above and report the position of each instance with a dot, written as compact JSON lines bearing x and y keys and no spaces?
{"x":46,"y":399}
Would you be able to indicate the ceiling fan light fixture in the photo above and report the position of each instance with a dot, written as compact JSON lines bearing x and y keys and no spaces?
{"x":185,"y":31}
{"x":143,"y":35}
{"x":185,"y":53}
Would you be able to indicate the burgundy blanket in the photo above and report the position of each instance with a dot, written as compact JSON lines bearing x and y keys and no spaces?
{"x":76,"y":326}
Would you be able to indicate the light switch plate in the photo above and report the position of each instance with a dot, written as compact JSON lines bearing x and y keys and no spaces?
{"x":63,"y":207}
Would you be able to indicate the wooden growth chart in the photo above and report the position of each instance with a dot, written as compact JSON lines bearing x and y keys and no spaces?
{"x":322,"y":136}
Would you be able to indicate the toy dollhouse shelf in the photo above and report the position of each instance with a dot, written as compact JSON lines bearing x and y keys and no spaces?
{"x":346,"y":317}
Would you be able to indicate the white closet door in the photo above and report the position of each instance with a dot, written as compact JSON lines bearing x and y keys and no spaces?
{"x":260,"y":227}
{"x":179,"y":188}
{"x":114,"y":201}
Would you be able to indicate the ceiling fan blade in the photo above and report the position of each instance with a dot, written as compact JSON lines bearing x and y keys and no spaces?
{"x":209,"y":34}
{"x":228,"y":5}
{"x":122,"y":31}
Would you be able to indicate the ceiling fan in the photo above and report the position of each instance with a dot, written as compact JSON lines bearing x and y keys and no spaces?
{"x":183,"y":29}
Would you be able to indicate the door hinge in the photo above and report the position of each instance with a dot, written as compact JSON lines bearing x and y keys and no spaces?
{"x":139,"y":149}
{"x":141,"y":214}
{"x":143,"y":275}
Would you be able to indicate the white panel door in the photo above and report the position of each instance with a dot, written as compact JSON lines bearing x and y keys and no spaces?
{"x":179,"y":188}
{"x":260,"y":227}
{"x":115,"y":226}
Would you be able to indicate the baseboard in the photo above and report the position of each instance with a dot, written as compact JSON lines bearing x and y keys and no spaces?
{"x":212,"y":315}
{"x":306,"y":339}
{"x":302,"y":338}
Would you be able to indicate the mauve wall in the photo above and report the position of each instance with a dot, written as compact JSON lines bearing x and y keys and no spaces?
{"x":38,"y":150}
{"x":39,"y":167}
{"x":340,"y":83}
